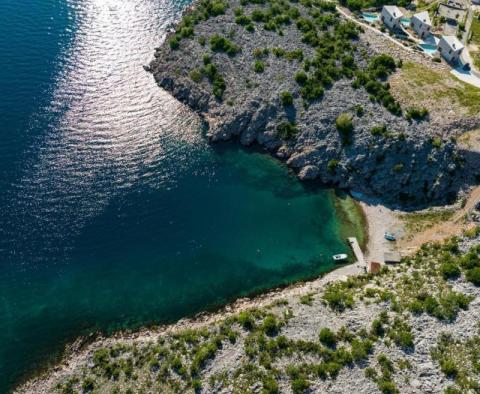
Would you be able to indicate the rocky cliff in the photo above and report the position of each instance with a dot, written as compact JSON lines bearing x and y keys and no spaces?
{"x":279,"y":74}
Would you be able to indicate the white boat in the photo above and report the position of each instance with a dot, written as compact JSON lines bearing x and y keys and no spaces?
{"x":340,"y":257}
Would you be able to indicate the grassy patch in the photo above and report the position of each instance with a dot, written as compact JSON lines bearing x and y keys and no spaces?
{"x":475,"y":40}
{"x":421,"y":84}
{"x":420,"y":221}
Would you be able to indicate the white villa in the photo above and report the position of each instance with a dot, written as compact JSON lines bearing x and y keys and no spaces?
{"x":450,"y":48}
{"x":391,"y":16}
{"x":421,"y":24}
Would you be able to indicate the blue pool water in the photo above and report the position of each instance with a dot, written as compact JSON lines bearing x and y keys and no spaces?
{"x":405,"y":22}
{"x":370,"y":17}
{"x":428,"y":48}
{"x":114,"y":210}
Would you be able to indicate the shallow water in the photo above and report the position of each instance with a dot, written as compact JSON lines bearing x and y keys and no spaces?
{"x":115,"y":211}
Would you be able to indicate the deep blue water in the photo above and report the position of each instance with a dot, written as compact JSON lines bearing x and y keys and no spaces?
{"x":114,"y":210}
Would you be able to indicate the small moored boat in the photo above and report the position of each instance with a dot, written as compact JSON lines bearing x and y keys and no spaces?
{"x":340,"y":257}
{"x":390,"y":236}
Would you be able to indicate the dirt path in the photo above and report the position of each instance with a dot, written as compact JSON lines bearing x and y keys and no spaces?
{"x":441,"y":231}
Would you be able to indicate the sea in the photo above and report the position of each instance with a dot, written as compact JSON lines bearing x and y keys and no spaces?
{"x":115,"y":210}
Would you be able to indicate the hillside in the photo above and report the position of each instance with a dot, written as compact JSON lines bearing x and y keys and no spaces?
{"x":308,"y":86}
{"x":413,"y":328}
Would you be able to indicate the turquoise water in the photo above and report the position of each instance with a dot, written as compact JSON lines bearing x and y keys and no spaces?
{"x":405,"y":22}
{"x":372,"y":18}
{"x":115,"y":211}
{"x":428,"y":48}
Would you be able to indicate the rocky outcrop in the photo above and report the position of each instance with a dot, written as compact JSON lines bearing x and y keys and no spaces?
{"x":401,"y":165}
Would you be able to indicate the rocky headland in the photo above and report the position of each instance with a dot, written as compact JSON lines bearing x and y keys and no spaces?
{"x":313,"y":89}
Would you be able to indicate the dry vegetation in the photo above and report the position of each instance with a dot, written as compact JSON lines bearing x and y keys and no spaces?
{"x":440,"y":92}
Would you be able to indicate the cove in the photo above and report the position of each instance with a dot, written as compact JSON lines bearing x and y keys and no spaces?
{"x":116,"y":211}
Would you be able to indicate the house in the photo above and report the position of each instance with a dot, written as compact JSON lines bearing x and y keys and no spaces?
{"x":454,"y":11}
{"x":391,"y":16}
{"x":421,"y":24}
{"x":450,"y":48}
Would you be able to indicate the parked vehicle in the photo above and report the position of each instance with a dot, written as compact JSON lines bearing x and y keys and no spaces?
{"x":389,"y":236}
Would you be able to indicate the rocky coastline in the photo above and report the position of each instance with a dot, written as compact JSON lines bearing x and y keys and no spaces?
{"x":402,"y":161}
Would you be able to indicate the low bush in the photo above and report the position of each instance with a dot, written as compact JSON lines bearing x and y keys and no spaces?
{"x":473,"y":275}
{"x":449,"y":270}
{"x":416,"y":113}
{"x":286,"y":98}
{"x":344,"y":126}
{"x":195,"y":75}
{"x":270,"y":325}
{"x":221,"y":44}
{"x":327,"y":337}
{"x":259,"y":66}
{"x":332,"y":165}
{"x":286,"y":130}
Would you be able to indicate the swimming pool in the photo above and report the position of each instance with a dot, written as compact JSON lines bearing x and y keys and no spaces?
{"x":405,"y":22}
{"x":372,"y":18}
{"x":428,"y":48}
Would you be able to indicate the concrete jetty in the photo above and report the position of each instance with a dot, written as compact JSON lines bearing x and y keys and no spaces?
{"x":352,"y":241}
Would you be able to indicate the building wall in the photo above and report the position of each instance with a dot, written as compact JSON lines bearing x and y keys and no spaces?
{"x":448,"y":54}
{"x":389,"y":21}
{"x":420,"y":28}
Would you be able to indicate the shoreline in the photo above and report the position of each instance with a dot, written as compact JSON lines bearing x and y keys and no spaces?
{"x":78,"y":349}
{"x":378,"y":218}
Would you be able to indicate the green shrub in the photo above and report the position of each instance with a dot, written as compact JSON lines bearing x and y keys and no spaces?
{"x":416,"y":113}
{"x":217,"y":81}
{"x":216,"y":7}
{"x":286,"y":98}
{"x":221,"y":44}
{"x":270,"y":325}
{"x":243,"y":20}
{"x":377,"y":328}
{"x":361,"y":349}
{"x":286,"y":130}
{"x":246,"y":320}
{"x":270,"y":386}
{"x":344,"y":126}
{"x":202,"y":40}
{"x":301,"y":77}
{"x":370,"y":373}
{"x":327,"y":337}
{"x":278,"y":52}
{"x":101,"y":357}
{"x":379,"y":130}
{"x":300,"y":385}
{"x":187,"y":32}
{"x":449,"y":367}
{"x":449,"y":270}
{"x":332,"y":165}
{"x":436,"y":142}
{"x":387,"y":386}
{"x":195,"y":75}
{"x":88,"y":384}
{"x":174,"y":42}
{"x":473,"y":275}
{"x":337,"y":298}
{"x":359,"y":110}
{"x":306,"y":299}
{"x":296,"y":54}
{"x":259,"y":66}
